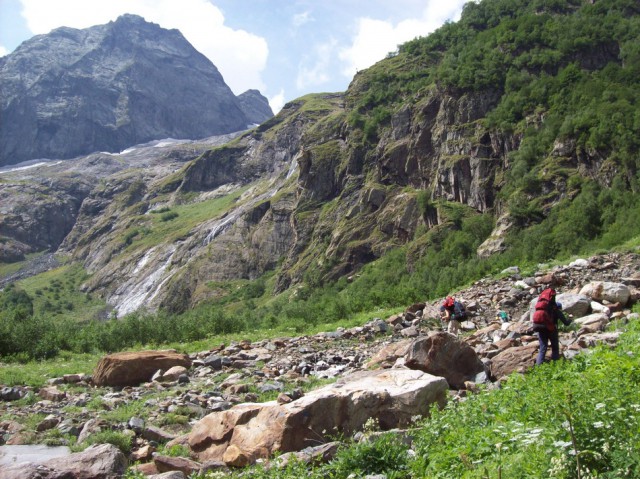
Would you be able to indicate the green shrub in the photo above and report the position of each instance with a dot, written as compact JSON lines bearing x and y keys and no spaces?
{"x":168,"y":216}
{"x":383,"y":455}
{"x":121,"y":440}
{"x":177,"y":450}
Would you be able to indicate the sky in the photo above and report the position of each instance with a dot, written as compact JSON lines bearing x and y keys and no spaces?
{"x":284,"y":48}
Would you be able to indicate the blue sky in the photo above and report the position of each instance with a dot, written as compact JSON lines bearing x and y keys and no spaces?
{"x":284,"y":48}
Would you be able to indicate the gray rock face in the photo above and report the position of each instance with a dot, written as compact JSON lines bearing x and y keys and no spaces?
{"x":37,"y":216}
{"x":40,"y":204}
{"x":255,"y":106}
{"x":105,"y":88}
{"x":102,"y":461}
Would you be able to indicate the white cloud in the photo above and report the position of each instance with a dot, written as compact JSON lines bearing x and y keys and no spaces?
{"x":301,"y":18}
{"x":318,"y":72}
{"x":240,"y":56}
{"x":376,"y":38}
{"x":3,"y":51}
{"x":276,"y":102}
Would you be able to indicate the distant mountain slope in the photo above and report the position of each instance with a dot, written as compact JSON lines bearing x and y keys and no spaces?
{"x":105,"y":88}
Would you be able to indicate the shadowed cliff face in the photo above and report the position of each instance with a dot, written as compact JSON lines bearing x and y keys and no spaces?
{"x":105,"y":88}
{"x":305,"y":196}
{"x":40,"y":203}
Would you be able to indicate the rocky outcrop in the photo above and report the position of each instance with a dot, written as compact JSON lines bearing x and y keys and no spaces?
{"x":255,"y":106}
{"x":103,"y":461}
{"x":131,"y":369}
{"x":247,"y":432}
{"x":40,"y":205}
{"x":38,"y":216}
{"x":105,"y":88}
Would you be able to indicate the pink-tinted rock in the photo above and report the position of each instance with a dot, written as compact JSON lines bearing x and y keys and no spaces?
{"x":393,"y":397}
{"x":133,"y":368}
{"x":170,"y":463}
{"x":442,"y":354}
{"x":103,"y":461}
{"x":517,"y":359}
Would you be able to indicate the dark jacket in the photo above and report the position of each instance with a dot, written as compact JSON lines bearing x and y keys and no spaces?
{"x":456,"y":311}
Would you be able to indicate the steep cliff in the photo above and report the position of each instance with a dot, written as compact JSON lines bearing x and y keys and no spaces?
{"x":108,"y":87}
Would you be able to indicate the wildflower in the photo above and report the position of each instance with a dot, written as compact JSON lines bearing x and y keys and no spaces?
{"x":562,"y":443}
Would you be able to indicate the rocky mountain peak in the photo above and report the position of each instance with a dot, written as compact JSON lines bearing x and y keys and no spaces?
{"x":255,"y":106}
{"x":73,"y":92}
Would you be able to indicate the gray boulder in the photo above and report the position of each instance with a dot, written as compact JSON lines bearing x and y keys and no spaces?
{"x":103,"y":461}
{"x":442,"y":354}
{"x":574,"y":305}
{"x":607,"y":291}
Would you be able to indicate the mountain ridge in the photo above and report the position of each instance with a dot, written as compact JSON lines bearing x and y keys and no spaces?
{"x":108,"y":87}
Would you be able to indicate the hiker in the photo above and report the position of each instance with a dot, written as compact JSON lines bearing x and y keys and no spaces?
{"x":545,"y":322}
{"x":452,"y":311}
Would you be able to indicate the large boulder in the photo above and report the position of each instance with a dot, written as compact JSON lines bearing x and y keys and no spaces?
{"x":511,"y":360}
{"x":574,"y":305}
{"x":596,"y":321}
{"x":103,"y":461}
{"x":442,"y":354}
{"x":606,"y":291}
{"x":249,"y":431}
{"x":133,"y":368}
{"x":388,"y":355}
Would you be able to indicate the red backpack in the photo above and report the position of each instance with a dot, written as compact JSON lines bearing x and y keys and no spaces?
{"x":541,"y":315}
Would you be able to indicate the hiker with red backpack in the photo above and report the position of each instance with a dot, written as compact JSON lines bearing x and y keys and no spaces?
{"x":452,"y":312}
{"x":545,"y":322}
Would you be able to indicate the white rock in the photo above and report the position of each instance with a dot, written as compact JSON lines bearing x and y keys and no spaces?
{"x":600,"y":308}
{"x":605,"y":291}
{"x":579,"y":264}
{"x":597,"y":320}
{"x":521,"y":285}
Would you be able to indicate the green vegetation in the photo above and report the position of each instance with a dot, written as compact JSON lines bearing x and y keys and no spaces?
{"x":563,"y":72}
{"x":36,"y":373}
{"x":577,"y":419}
{"x":56,"y":293}
{"x":121,"y":440}
{"x":166,"y":225}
